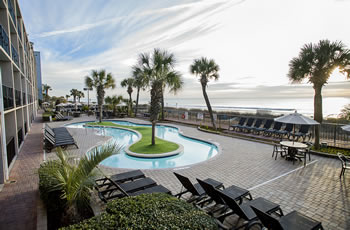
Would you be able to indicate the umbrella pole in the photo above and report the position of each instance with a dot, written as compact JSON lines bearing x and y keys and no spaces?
{"x":293,"y":133}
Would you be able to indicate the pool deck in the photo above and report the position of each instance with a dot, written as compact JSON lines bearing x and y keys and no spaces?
{"x":315,"y":190}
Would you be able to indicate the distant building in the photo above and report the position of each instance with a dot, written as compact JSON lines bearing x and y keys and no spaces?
{"x":38,"y":74}
{"x":18,"y":91}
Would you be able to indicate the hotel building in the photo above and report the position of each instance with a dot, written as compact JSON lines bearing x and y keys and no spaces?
{"x":18,"y":79}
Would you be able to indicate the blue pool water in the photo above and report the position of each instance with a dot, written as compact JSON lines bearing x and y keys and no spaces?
{"x":195,"y":151}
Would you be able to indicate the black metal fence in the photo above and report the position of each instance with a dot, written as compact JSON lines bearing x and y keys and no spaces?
{"x":331,"y":134}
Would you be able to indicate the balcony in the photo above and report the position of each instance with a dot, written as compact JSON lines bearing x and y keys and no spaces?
{"x":24,"y":102}
{"x":19,"y":31}
{"x":11,"y":10}
{"x":15,"y":55}
{"x":7,"y":94}
{"x":4,"y":40}
{"x":18,"y":97}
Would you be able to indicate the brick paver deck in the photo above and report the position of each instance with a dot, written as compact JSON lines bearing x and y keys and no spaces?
{"x":315,"y":190}
{"x":18,"y":201}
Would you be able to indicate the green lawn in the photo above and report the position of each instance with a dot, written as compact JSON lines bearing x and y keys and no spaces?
{"x":144,"y":145}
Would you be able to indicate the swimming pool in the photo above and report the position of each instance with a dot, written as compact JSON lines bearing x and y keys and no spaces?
{"x":195,"y":151}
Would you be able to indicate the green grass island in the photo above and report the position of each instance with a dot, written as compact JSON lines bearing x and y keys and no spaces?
{"x":143,"y":147}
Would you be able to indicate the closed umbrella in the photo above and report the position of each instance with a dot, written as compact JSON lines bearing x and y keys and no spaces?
{"x":296,"y":119}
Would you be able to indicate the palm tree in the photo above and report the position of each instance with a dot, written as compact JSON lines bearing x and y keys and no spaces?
{"x":139,"y":82}
{"x":80,"y":95}
{"x":72,"y":180}
{"x":129,"y":83}
{"x":113,"y":102}
{"x":158,"y":70}
{"x":46,"y":89}
{"x":206,"y":70}
{"x":75,"y":94}
{"x":100,"y":81}
{"x":67,"y":97}
{"x":316,"y":62}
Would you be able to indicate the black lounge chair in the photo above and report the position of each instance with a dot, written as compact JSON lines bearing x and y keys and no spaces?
{"x":196,"y":190}
{"x":266,"y":126}
{"x":248,"y":125}
{"x":257,"y":124}
{"x":286,"y":132}
{"x":60,"y":117}
{"x":119,"y":190}
{"x":303,"y":133}
{"x":245,"y":211}
{"x":235,"y":192}
{"x":51,"y":143}
{"x":240,"y":124}
{"x":120,"y":178}
{"x":276,"y":127}
{"x":291,"y":221}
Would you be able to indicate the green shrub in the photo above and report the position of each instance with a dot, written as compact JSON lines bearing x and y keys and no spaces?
{"x":149,"y":211}
{"x":333,"y":150}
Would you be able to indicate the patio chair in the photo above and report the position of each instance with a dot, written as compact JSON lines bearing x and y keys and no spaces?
{"x":244,"y":211}
{"x":303,"y":133}
{"x":234,"y":192}
{"x":120,"y":178}
{"x":197,"y":192}
{"x":240,"y":124}
{"x":133,"y":188}
{"x":286,"y":132}
{"x":248,"y":125}
{"x":293,"y":220}
{"x":279,"y":149}
{"x":266,"y":126}
{"x":303,"y":152}
{"x":345,"y":163}
{"x":257,"y":124}
{"x":276,"y":127}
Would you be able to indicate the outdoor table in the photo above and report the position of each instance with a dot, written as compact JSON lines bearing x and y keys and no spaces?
{"x":293,"y":148}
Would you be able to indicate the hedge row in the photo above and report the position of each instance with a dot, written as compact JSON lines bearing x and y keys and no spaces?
{"x":149,"y":211}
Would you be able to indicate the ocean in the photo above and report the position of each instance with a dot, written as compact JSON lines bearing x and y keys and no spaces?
{"x":332,"y":106}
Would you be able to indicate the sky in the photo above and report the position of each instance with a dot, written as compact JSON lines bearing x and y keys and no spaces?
{"x":252,"y":41}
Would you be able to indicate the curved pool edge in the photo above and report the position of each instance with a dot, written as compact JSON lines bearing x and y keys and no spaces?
{"x":216,"y":144}
{"x":127,"y":150}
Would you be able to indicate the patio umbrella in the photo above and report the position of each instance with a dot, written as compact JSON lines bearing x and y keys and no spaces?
{"x":346,"y":128}
{"x":296,"y":119}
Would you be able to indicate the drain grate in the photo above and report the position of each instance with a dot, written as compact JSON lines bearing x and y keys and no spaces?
{"x":11,"y":182}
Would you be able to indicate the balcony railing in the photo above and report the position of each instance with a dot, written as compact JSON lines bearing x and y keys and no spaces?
{"x":11,"y":10}
{"x":20,"y":136}
{"x":18,"y":97}
{"x":15,"y":55}
{"x":24,"y":102}
{"x":11,"y":150}
{"x":4,"y":40}
{"x":7,"y":94}
{"x":25,"y":128}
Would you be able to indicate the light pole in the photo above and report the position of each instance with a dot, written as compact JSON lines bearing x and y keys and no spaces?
{"x":88,"y":89}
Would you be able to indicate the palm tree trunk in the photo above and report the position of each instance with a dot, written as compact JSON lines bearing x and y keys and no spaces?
{"x":137,"y":100}
{"x":130,"y":105}
{"x":209,"y":106}
{"x":162,"y":106}
{"x":153,"y":132}
{"x":75,"y":102}
{"x":318,"y":115}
